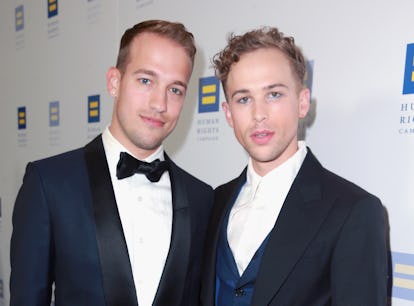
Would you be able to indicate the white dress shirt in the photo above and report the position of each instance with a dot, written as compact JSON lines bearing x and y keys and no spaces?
{"x":257,"y":207}
{"x":145,"y":209}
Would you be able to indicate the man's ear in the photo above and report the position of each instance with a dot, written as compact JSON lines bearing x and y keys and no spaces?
{"x":304,"y":102}
{"x":113,"y":77}
{"x":227,"y":113}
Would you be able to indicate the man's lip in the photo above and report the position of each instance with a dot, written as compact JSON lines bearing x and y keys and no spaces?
{"x":152,"y":121}
{"x":262,"y":136}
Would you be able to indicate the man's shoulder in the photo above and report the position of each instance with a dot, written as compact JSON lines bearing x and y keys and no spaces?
{"x":69,"y":156}
{"x":67,"y":164}
{"x":63,"y":168}
{"x":345,"y":187}
{"x":61,"y":158}
{"x":334,"y":184}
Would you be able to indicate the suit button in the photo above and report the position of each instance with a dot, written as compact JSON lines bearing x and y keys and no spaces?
{"x":239,"y":292}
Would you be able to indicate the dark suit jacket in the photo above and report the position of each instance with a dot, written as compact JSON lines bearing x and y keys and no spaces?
{"x":67,"y":230}
{"x":327,"y":247}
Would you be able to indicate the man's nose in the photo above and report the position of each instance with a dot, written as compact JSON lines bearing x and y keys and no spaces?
{"x":158,"y":100}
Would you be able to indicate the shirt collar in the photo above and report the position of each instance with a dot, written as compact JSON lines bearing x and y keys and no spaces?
{"x":283,"y":174}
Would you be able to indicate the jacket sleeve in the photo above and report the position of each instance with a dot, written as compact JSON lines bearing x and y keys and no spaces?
{"x":359,"y":264}
{"x":31,"y":251}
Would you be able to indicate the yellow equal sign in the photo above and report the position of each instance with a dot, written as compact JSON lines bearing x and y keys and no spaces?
{"x":206,"y":90}
{"x":93,"y":109}
{"x":52,"y":5}
{"x":22,"y":118}
{"x":54,"y":113}
{"x":19,"y":18}
{"x":403,"y":282}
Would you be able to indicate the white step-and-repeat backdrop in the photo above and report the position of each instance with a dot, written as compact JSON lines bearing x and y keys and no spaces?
{"x":54,"y":55}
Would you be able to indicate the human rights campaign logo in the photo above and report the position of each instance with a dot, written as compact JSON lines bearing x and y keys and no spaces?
{"x":208,"y":94}
{"x":54,"y":113}
{"x":21,"y":117}
{"x":52,"y":8}
{"x":409,"y":70}
{"x":19,"y":18}
{"x":93,"y":108}
{"x":403,"y":276}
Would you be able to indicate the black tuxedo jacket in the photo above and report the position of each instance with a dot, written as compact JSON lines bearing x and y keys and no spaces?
{"x":67,"y":231}
{"x":328,"y":245}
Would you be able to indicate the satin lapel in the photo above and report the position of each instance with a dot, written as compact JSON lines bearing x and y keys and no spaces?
{"x":118,"y":283}
{"x":299,"y":220}
{"x":171,"y":287}
{"x":224,"y":198}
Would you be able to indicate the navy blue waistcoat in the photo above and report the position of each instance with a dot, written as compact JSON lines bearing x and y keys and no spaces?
{"x":231,"y":288}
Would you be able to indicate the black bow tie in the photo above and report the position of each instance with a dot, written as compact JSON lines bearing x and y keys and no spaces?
{"x":128,"y":165}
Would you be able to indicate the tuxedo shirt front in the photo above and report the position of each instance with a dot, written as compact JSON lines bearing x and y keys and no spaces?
{"x":145,"y":210}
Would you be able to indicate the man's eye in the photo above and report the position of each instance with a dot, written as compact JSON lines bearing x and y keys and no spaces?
{"x":243,"y":100}
{"x":177,"y":91}
{"x":144,"y":81}
{"x":275,"y":95}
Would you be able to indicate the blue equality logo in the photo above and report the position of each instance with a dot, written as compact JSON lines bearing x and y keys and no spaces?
{"x":19,"y":18}
{"x":408,"y":87}
{"x":54,"y":113}
{"x":208,"y":94}
{"x":93,"y":108}
{"x":52,"y":8}
{"x":21,"y":117}
{"x":403,"y":275}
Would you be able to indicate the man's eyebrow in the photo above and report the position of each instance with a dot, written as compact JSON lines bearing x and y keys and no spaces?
{"x":145,"y":71}
{"x":267,"y":87}
{"x":240,"y":91}
{"x":180,"y":83}
{"x":271,"y":86}
{"x":154,"y":74}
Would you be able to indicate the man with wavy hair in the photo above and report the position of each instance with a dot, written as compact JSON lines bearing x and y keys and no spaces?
{"x":286,"y":231}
